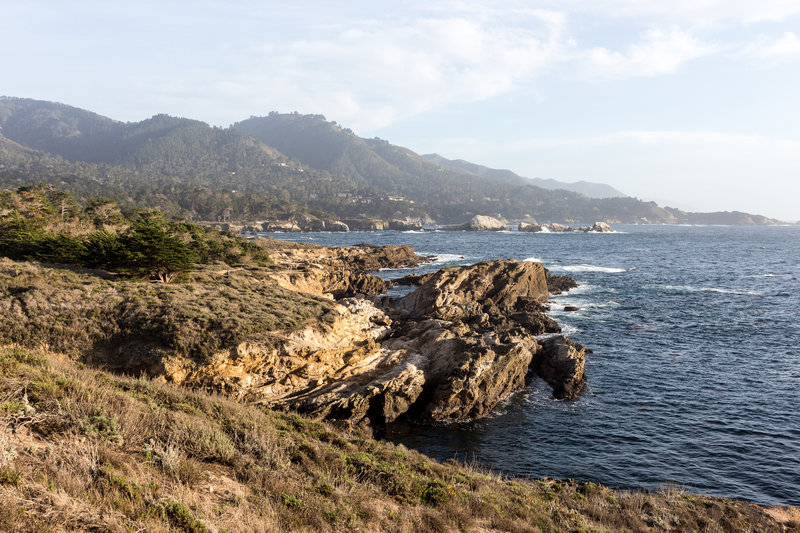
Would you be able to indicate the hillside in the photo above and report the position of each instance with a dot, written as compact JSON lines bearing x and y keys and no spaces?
{"x":590,"y":189}
{"x":85,"y":450}
{"x":450,"y":194}
{"x":275,"y":166}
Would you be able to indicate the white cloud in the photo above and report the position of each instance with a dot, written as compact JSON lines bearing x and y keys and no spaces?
{"x":686,"y":12}
{"x":384,"y":70}
{"x":786,"y":47}
{"x":660,"y":52}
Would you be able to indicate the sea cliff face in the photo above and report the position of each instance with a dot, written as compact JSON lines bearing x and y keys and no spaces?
{"x":452,"y":349}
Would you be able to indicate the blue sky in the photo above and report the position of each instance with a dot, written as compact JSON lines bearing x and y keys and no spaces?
{"x":692,"y":103}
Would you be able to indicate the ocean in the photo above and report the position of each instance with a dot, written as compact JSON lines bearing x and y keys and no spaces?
{"x":695,"y":376}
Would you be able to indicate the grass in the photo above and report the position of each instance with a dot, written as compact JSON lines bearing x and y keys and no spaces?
{"x":81,"y":314}
{"x":85,"y":450}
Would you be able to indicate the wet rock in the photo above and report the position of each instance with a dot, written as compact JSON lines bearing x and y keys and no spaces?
{"x":366,"y":224}
{"x":559,"y":284}
{"x":561,"y":363}
{"x":530,"y":227}
{"x":601,"y":227}
{"x":336,"y":225}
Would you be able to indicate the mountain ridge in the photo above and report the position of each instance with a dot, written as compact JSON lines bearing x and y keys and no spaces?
{"x":268,"y":167}
{"x":587,"y":188}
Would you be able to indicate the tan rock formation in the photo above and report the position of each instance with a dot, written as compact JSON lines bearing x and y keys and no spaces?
{"x":464,"y":291}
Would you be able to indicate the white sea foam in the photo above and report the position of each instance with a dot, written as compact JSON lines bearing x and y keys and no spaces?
{"x":414,"y":231}
{"x":689,"y":288}
{"x":588,"y":268}
{"x":532,"y":259}
{"x":448,"y":258}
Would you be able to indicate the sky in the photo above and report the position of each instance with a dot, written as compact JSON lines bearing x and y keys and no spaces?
{"x":691,"y":103}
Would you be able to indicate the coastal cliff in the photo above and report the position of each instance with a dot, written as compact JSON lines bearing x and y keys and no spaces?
{"x":82,"y":448}
{"x":302,"y":334}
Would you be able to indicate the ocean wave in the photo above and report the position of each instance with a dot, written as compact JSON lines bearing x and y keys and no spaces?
{"x":588,"y":268}
{"x":532,"y":259}
{"x":689,"y":289}
{"x":414,"y":231}
{"x":448,"y":258}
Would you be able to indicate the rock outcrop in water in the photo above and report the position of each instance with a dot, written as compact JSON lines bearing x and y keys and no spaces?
{"x":533,"y":227}
{"x":479,"y":223}
{"x":451,"y":350}
{"x":464,"y":340}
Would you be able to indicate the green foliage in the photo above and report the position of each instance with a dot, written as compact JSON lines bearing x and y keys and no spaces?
{"x":188,"y":168}
{"x":148,"y":246}
{"x":152,"y":248}
{"x":435,"y":493}
{"x":179,"y":516}
{"x":290,"y":500}
{"x":10,"y":476}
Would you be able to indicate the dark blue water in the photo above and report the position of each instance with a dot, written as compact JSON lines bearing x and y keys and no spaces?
{"x":695,"y":375}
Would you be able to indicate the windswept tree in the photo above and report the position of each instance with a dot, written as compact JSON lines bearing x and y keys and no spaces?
{"x":152,"y":247}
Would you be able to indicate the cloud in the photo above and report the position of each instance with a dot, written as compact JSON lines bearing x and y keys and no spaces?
{"x":686,"y":12}
{"x":786,"y":47}
{"x":381,"y":70}
{"x":660,"y":52}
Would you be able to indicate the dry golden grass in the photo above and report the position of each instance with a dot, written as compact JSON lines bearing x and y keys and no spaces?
{"x":84,"y":450}
{"x":79,"y":312}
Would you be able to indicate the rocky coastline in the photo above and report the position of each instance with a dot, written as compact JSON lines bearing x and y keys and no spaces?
{"x":452,"y":349}
{"x":300,"y":223}
{"x":313,"y":335}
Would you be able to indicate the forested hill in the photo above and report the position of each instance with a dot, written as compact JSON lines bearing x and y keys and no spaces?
{"x":449,"y":195}
{"x":272,"y":166}
{"x":590,"y":189}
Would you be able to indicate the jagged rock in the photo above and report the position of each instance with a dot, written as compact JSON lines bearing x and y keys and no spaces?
{"x":405,"y":225}
{"x":558,"y":228}
{"x":309,"y":223}
{"x":531,"y":227}
{"x":559,"y":284}
{"x":483,"y":223}
{"x":458,"y":292}
{"x":561,"y":364}
{"x":452,"y":350}
{"x":571,"y":308}
{"x":286,"y":226}
{"x":413,"y":279}
{"x":601,"y":227}
{"x":336,"y":225}
{"x":347,"y":283}
{"x":366,"y":224}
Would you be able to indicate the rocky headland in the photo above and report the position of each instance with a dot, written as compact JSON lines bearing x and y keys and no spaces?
{"x":311,"y":333}
{"x":93,"y":450}
{"x":453,"y":348}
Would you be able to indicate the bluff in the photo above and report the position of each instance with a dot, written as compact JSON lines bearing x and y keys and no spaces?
{"x":273,"y":335}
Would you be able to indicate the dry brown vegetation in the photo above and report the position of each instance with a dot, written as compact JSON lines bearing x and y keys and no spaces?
{"x":81,"y":313}
{"x":84,"y":450}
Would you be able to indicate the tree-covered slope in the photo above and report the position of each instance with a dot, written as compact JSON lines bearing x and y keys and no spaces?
{"x":268,"y":167}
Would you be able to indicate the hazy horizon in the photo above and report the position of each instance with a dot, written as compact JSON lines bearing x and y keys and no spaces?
{"x":688,"y":105}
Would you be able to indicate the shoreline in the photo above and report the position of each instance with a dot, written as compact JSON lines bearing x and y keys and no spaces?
{"x":295,"y":272}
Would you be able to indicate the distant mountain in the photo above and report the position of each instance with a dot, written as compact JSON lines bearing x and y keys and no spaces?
{"x":275,"y":166}
{"x":590,"y":189}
